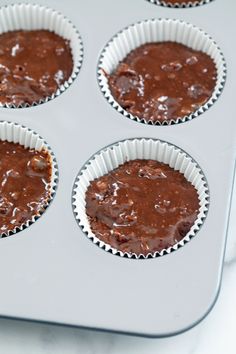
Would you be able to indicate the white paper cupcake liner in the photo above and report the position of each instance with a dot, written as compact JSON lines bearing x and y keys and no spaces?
{"x":112,"y":156}
{"x":159,"y":30}
{"x":36,"y":17}
{"x":186,"y":4}
{"x":15,"y":133}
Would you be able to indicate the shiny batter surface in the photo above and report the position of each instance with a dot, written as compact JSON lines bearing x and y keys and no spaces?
{"x":33,"y":64}
{"x":142,"y":206}
{"x":25,"y":177}
{"x":163,"y":81}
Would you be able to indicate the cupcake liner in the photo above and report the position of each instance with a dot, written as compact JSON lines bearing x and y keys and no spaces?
{"x":15,"y":133}
{"x":186,"y":4}
{"x":37,"y":17}
{"x":159,"y":30}
{"x":114,"y":155}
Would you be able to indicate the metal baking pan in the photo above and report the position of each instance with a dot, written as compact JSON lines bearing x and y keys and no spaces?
{"x":51,"y":272}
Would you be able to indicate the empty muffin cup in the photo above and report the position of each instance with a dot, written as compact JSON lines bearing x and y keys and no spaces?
{"x":29,"y":177}
{"x":180,"y":3}
{"x":23,"y":85}
{"x":136,"y":150}
{"x":134,"y":87}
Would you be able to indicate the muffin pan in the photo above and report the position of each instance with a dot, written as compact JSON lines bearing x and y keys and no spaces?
{"x":52,"y":271}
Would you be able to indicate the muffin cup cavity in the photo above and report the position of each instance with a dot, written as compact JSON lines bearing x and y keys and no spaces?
{"x":158,"y":30}
{"x":15,"y":133}
{"x":185,"y":4}
{"x":114,"y":155}
{"x":36,"y":17}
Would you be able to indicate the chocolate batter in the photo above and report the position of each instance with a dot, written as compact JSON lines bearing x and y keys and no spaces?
{"x":163,"y":81}
{"x":25,"y":177}
{"x":33,"y":64}
{"x":141,"y":207}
